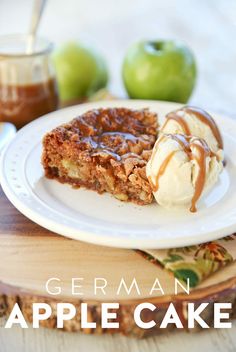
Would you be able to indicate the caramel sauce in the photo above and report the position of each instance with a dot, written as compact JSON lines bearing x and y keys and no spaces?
{"x":21,"y":104}
{"x":117,"y":132}
{"x":124,"y":135}
{"x":161,"y":171}
{"x":102,"y":143}
{"x":186,"y":145}
{"x":205,"y":118}
{"x":157,"y":145}
{"x":180,"y":120}
{"x":199,"y":185}
{"x":202,"y":115}
{"x":183,"y":141}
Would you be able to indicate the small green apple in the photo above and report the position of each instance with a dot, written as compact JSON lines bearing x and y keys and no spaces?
{"x":159,"y":70}
{"x":80,"y":71}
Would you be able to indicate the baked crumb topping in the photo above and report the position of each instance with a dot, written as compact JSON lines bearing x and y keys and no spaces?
{"x":104,"y":150}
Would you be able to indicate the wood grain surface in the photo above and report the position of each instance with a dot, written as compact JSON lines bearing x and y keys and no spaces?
{"x":44,"y":340}
{"x":30,"y":255}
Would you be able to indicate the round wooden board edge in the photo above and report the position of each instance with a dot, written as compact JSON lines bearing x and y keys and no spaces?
{"x":223,"y":292}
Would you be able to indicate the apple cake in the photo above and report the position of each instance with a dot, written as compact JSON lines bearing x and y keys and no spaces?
{"x":105,"y":150}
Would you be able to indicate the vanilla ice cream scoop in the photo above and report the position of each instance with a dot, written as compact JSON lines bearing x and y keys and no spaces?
{"x":181,"y":169}
{"x":196,"y":122}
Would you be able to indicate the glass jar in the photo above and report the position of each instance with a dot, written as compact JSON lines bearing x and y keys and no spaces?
{"x":28,"y":86}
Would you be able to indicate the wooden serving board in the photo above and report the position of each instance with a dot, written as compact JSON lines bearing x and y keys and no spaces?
{"x":30,"y":255}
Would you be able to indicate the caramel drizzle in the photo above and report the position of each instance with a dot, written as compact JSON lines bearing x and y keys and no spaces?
{"x":179,"y":119}
{"x":161,"y":171}
{"x":202,"y":115}
{"x":205,"y":118}
{"x":199,"y":185}
{"x":186,"y":145}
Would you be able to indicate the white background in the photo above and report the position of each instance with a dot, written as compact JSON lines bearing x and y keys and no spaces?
{"x":207,"y":26}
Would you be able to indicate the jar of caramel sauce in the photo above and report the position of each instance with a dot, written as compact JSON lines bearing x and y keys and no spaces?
{"x":28,"y":87}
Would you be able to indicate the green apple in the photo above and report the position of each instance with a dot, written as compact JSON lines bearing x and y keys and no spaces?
{"x":80,"y":71}
{"x":162,"y":70}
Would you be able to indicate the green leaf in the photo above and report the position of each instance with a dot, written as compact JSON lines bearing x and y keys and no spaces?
{"x":173,"y":258}
{"x":185,"y":274}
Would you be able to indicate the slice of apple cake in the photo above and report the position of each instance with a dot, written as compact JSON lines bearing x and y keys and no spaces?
{"x":105,"y":150}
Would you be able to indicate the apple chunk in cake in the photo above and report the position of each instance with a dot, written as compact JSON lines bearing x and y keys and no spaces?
{"x":105,"y":150}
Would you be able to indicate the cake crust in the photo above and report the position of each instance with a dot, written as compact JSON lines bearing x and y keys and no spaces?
{"x":105,"y":150}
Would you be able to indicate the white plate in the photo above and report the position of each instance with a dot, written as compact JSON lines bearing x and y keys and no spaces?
{"x":7,"y":131}
{"x":101,"y":219}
